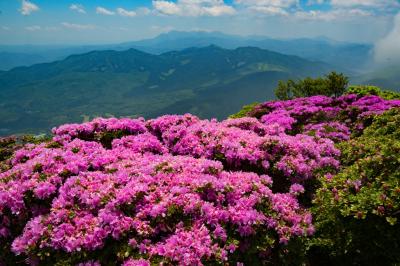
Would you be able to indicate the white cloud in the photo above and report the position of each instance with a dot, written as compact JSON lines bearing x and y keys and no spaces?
{"x":269,"y":7}
{"x":343,"y":14}
{"x":78,"y":8}
{"x":268,"y":3}
{"x":28,"y":7}
{"x":193,"y":8}
{"x":143,"y":11}
{"x":5,"y":28}
{"x":364,"y":3}
{"x":167,"y":7}
{"x":33,"y":28}
{"x":104,"y":11}
{"x":269,"y":10}
{"x":387,"y":50}
{"x":219,"y":10}
{"x":41,"y":28}
{"x":78,"y":26}
{"x":125,"y":13}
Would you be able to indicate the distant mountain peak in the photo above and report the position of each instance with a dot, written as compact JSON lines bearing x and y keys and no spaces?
{"x":194,"y":33}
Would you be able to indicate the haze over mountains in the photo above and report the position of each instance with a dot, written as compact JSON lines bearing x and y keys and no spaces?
{"x":386,"y":77}
{"x":351,"y":56}
{"x":208,"y":81}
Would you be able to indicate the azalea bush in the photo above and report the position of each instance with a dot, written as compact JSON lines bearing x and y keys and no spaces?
{"x":8,"y":145}
{"x":178,"y":189}
{"x":167,"y":190}
{"x":350,"y":114}
{"x":364,"y":90}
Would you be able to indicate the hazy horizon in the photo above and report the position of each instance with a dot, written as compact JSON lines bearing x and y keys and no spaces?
{"x":66,"y":22}
{"x":248,"y":36}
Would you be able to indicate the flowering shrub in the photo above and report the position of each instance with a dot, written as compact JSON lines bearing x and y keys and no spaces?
{"x":171,"y":189}
{"x":176,"y":189}
{"x":372,"y":90}
{"x":363,"y":200}
{"x":8,"y":145}
{"x":372,"y":163}
{"x":335,"y":131}
{"x":184,"y":218}
{"x":324,"y":116}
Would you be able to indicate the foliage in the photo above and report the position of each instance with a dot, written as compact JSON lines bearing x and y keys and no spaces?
{"x":350,"y":114}
{"x":336,"y":83}
{"x":363,"y":200}
{"x":356,"y":211}
{"x":364,"y":90}
{"x":8,"y":145}
{"x":333,"y":84}
{"x":244,"y":111}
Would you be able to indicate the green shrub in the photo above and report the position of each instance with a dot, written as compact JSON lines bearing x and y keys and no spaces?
{"x":8,"y":145}
{"x":244,"y":111}
{"x":333,"y":84}
{"x":372,"y":90}
{"x":357,"y":211}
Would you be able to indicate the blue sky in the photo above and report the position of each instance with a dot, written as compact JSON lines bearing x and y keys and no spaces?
{"x":113,"y":21}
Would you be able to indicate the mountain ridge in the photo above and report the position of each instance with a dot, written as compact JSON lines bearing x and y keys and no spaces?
{"x":335,"y":53}
{"x":132,"y":82}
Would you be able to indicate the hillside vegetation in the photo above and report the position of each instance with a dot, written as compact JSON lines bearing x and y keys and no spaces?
{"x":208,"y":82}
{"x":304,"y":181}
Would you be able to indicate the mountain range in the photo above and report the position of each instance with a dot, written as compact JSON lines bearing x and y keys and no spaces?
{"x":350,"y":56}
{"x":208,"y":81}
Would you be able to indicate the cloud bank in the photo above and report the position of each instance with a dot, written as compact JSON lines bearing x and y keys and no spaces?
{"x":74,"y":26}
{"x":387,"y":50}
{"x":193,"y":8}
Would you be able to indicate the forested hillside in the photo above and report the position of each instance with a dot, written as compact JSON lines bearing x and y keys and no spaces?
{"x":208,"y":82}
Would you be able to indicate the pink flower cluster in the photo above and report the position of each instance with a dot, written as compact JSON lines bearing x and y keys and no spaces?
{"x":170,"y":188}
{"x":323,"y":116}
{"x":335,"y":131}
{"x":175,"y":189}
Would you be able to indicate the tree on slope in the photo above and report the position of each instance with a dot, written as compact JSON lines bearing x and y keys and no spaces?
{"x":333,"y":84}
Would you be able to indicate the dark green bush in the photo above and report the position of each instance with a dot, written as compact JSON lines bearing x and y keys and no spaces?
{"x":333,"y":84}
